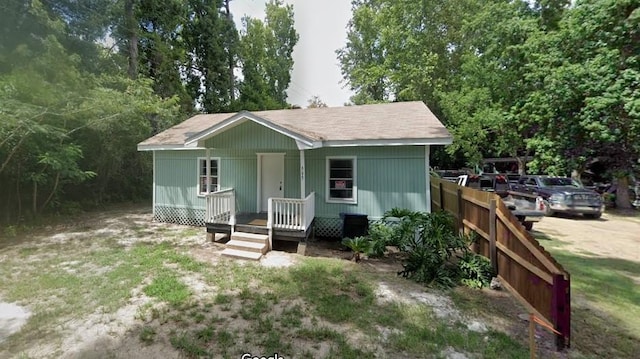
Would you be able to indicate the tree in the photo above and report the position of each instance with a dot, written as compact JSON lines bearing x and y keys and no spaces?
{"x":266,"y":57}
{"x":67,"y":132}
{"x":589,"y":103}
{"x":316,"y":102}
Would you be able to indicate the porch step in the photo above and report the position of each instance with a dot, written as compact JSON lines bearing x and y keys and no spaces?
{"x":248,"y":246}
{"x":235,"y":253}
{"x":250,"y":237}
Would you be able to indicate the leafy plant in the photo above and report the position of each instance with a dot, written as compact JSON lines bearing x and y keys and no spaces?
{"x":381,"y":235}
{"x":432,"y":242}
{"x":475,"y":270}
{"x":358,"y":245}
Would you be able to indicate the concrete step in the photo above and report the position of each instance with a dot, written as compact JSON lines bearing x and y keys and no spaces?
{"x":250,"y":237}
{"x":235,"y":253}
{"x":248,"y":246}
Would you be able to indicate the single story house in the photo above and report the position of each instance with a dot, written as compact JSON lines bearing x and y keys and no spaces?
{"x":295,"y":169}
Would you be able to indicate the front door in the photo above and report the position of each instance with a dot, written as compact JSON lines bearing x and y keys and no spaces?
{"x":271,"y":178}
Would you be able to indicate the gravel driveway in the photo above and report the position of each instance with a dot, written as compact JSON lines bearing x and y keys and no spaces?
{"x":612,"y":236}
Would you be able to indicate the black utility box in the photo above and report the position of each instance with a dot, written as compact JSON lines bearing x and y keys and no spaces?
{"x":354,"y":225}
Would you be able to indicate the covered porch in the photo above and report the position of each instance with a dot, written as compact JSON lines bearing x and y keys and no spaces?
{"x":289,"y":219}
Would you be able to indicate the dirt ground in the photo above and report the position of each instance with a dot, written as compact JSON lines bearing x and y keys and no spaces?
{"x":615,"y":235}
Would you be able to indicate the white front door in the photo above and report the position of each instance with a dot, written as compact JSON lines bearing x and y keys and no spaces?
{"x":271,"y":178}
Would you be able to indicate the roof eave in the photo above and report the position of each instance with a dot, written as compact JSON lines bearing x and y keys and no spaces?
{"x":389,"y":142}
{"x":166,"y":147}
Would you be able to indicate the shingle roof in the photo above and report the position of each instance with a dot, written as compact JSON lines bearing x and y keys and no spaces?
{"x":400,"y":121}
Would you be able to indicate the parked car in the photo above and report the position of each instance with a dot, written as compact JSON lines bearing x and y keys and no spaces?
{"x":527,"y":208}
{"x":561,"y":195}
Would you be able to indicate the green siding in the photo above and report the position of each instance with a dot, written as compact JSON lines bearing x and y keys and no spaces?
{"x":251,"y":136}
{"x":177,"y":179}
{"x":387,"y":177}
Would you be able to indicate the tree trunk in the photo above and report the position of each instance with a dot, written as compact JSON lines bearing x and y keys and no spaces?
{"x":522,"y":166}
{"x":622,"y":193}
{"x":232,"y":96}
{"x":34,"y":199}
{"x":132,"y":36}
{"x":18,"y":194}
{"x":53,"y":192}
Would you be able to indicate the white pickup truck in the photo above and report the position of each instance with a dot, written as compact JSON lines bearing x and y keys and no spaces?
{"x":526,"y":207}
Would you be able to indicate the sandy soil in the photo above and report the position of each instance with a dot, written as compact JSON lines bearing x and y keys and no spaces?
{"x":101,"y":333}
{"x":612,"y":236}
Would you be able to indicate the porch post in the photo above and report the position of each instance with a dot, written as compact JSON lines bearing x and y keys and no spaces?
{"x":427,"y":169}
{"x":208,"y":167}
{"x":303,"y":191}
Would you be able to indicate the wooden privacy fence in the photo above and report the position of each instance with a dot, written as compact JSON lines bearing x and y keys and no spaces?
{"x":525,"y":268}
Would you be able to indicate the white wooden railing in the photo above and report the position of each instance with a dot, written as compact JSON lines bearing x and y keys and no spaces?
{"x":291,"y":213}
{"x":221,"y":207}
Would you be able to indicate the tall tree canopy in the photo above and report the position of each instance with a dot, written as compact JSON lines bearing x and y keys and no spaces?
{"x":82,"y":82}
{"x":557,"y":80}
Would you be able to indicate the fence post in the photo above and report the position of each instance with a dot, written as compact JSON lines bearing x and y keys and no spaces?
{"x":460,"y":210}
{"x":561,"y":310}
{"x":441,"y":190}
{"x":493,"y":250}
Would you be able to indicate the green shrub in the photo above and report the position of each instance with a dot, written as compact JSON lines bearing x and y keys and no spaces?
{"x":359,"y":245}
{"x":475,"y":270}
{"x":381,"y":236}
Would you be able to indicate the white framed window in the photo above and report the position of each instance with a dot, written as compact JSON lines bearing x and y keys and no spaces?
{"x":208,"y":172}
{"x":341,"y":179}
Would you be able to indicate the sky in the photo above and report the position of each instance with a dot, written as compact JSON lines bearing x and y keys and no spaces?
{"x":321,"y":25}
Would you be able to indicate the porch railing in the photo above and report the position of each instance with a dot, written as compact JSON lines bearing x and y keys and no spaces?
{"x":221,"y":207}
{"x":291,"y":213}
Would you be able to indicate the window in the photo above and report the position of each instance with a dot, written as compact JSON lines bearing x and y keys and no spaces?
{"x":341,"y":179}
{"x":214,"y":173}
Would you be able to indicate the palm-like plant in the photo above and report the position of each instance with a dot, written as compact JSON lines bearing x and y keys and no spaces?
{"x":358,"y":245}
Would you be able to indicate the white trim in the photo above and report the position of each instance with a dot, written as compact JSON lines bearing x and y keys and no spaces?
{"x":217,"y":159}
{"x":153,"y":189}
{"x":167,"y":148}
{"x":241,"y":117}
{"x":303,"y":190}
{"x":354,"y":189}
{"x":427,"y":151}
{"x":390,"y":142}
{"x":259,"y":176}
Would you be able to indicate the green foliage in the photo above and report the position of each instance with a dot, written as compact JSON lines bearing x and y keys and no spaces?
{"x":359,"y":245}
{"x":381,"y":236}
{"x":436,"y":254}
{"x":266,"y":50}
{"x":475,"y":270}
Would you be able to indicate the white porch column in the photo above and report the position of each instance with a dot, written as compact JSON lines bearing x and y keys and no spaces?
{"x":302,"y":176}
{"x":208,"y":167}
{"x":427,"y":150}
{"x":153,"y":194}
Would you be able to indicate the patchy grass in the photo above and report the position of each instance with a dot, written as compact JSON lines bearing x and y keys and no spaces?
{"x":168,"y":301}
{"x":606,"y":302}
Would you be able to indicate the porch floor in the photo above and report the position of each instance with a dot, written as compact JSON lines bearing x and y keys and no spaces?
{"x":252,"y":219}
{"x":257,"y":223}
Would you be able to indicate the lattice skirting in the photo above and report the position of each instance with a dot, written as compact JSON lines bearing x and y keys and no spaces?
{"x":328,"y":227}
{"x":186,"y":216}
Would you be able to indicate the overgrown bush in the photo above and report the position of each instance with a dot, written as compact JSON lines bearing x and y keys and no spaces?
{"x":475,"y":270}
{"x":433,"y":245}
{"x":380,"y":235}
